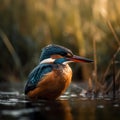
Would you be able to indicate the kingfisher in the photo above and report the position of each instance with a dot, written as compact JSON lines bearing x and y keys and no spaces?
{"x":52,"y":76}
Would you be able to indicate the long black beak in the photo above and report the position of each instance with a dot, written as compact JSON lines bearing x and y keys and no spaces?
{"x":76,"y":58}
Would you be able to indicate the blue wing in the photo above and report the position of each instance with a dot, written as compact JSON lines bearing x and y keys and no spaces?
{"x":36,"y":75}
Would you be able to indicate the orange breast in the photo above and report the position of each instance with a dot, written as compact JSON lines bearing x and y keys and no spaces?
{"x":53,"y":84}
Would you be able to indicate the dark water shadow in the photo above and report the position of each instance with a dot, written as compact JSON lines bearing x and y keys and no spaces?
{"x":50,"y":110}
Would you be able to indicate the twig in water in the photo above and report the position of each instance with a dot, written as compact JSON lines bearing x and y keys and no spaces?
{"x":114,"y":87}
{"x":95,"y":62}
{"x":110,"y":63}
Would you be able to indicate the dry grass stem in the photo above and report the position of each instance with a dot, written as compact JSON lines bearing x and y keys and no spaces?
{"x":113,"y":32}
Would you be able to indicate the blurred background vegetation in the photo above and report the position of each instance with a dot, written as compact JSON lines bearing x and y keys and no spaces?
{"x":90,"y":28}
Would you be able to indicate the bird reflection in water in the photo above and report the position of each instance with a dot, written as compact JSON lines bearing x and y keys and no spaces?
{"x":50,"y":110}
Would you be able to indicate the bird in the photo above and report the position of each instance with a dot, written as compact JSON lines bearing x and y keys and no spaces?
{"x":52,"y":76}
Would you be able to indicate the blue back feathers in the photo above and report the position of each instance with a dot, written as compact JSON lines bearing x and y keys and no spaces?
{"x":36,"y":75}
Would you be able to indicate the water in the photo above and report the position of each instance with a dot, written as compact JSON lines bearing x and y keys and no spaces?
{"x":71,"y":106}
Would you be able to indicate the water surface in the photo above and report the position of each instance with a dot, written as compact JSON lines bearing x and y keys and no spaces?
{"x":70,"y":106}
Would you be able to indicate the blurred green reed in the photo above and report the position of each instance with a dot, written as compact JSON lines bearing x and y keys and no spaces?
{"x":90,"y":28}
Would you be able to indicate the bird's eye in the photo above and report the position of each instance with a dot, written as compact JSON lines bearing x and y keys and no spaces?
{"x":69,"y":55}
